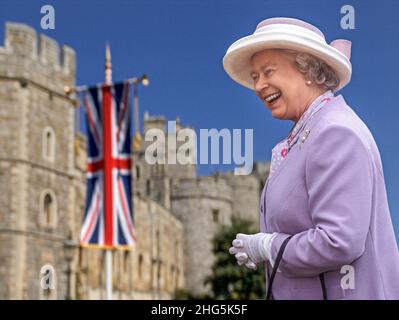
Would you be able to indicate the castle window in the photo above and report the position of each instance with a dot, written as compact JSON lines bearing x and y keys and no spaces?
{"x":140,"y":265}
{"x":48,"y":144}
{"x":126,"y":258}
{"x":48,"y":209}
{"x":148,"y":187}
{"x":137,"y":172}
{"x":83,"y":260}
{"x":215,"y":215}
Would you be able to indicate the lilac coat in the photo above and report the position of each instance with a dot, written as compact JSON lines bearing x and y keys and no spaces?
{"x":329,"y":193}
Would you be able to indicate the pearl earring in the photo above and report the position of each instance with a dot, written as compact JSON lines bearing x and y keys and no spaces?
{"x":308,"y":82}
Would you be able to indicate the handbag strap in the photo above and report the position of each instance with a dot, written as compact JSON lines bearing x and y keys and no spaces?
{"x":269,"y":294}
{"x":323,"y":286}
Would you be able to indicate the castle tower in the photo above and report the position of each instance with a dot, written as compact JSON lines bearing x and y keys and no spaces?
{"x":202,"y":204}
{"x":36,"y":163}
{"x":245,"y":196}
{"x":155,"y":181}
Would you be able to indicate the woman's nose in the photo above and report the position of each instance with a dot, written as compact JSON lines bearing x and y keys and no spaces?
{"x":260,"y":85}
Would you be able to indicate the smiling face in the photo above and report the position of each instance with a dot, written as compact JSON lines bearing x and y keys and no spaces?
{"x":280,"y":85}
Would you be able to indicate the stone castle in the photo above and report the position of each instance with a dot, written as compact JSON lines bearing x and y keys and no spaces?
{"x":43,"y":183}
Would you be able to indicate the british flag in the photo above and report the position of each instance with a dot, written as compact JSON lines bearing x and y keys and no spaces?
{"x":108,"y":219}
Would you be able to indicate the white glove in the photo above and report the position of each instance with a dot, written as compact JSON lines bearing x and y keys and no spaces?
{"x":242,"y":258}
{"x":250,"y":249}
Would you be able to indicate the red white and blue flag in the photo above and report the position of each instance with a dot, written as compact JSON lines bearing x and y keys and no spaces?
{"x":108,"y":219}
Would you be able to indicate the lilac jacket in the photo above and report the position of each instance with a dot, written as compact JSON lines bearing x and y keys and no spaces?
{"x":329,"y":193}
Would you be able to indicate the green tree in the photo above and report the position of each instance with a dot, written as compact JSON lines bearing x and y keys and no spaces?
{"x":228,"y":279}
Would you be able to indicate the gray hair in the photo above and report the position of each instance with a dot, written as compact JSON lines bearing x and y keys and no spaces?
{"x":314,"y":69}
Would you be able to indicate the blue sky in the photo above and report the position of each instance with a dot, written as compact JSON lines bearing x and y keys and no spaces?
{"x":180,"y":45}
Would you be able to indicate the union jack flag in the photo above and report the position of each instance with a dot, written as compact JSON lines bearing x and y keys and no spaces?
{"x":108,"y":219}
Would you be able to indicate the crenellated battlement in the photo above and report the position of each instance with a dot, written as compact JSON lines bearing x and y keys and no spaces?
{"x":247,"y":182}
{"x":38,"y":58}
{"x":20,"y":40}
{"x":213,"y":187}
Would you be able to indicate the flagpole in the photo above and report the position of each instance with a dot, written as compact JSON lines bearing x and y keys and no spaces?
{"x":108,"y":252}
{"x":108,"y":270}
{"x":107,"y":237}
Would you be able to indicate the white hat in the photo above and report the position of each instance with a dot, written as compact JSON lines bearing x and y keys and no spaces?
{"x":287,"y":33}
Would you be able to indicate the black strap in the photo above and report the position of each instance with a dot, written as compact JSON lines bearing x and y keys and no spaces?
{"x":323,"y":286}
{"x":269,"y":294}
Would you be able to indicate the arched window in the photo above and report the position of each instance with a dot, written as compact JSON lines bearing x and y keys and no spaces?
{"x":148,"y":188}
{"x":215,"y":215}
{"x":48,"y":209}
{"x":126,"y":261}
{"x":137,"y":172}
{"x":140,"y":265}
{"x":48,"y":144}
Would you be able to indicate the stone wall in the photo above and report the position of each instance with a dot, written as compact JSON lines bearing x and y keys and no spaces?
{"x":36,"y":58}
{"x":43,"y":192}
{"x":245,"y":196}
{"x":32,"y":101}
{"x":154,"y":269}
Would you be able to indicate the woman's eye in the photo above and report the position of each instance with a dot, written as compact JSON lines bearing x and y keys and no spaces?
{"x":268,"y":72}
{"x":254,"y":77}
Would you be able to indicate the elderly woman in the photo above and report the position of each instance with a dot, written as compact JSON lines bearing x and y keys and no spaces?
{"x":326,"y":230}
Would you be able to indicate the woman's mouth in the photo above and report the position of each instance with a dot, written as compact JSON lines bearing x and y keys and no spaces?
{"x":272,"y":98}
